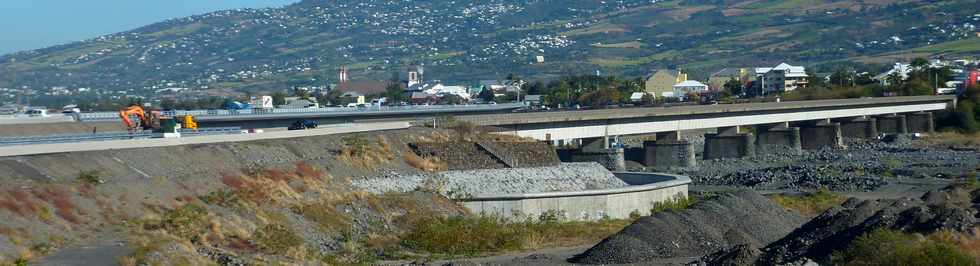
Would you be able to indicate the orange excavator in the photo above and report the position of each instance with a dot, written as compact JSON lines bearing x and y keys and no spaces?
{"x":151,"y":121}
{"x":134,"y":110}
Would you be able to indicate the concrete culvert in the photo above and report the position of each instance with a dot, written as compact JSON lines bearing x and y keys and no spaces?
{"x":731,"y":218}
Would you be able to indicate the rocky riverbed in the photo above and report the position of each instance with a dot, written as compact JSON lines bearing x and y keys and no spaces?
{"x":865,"y":165}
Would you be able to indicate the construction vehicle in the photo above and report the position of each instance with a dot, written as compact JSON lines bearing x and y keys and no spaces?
{"x":155,"y":120}
{"x":135,"y":110}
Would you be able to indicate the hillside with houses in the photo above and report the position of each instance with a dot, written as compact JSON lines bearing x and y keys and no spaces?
{"x":237,"y":53}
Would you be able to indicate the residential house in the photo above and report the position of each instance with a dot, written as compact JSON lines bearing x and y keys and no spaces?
{"x":363,"y":87}
{"x":661,"y":82}
{"x":499,"y":88}
{"x":718,"y":79}
{"x":297,"y":102}
{"x":440,"y":90}
{"x":533,"y":100}
{"x":420,"y":98}
{"x":782,"y":78}
{"x":901,"y":69}
{"x":689,"y":86}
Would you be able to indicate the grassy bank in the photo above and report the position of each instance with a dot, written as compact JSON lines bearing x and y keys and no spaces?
{"x":810,"y":204}
{"x":892,"y":247}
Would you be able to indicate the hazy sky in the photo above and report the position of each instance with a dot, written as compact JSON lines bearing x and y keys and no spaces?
{"x":31,"y":24}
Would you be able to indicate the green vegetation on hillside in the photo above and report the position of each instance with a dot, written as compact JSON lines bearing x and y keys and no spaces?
{"x":303,"y":45}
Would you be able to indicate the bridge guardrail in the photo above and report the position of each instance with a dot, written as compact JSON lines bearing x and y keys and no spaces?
{"x":120,"y":135}
{"x":103,"y":116}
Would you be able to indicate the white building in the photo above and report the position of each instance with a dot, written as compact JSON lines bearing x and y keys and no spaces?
{"x":901,"y":69}
{"x":441,"y":90}
{"x":782,"y":78}
{"x":689,"y":86}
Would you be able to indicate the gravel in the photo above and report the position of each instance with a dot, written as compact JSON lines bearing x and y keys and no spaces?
{"x":732,"y":218}
{"x":565,"y":177}
{"x":864,"y":165}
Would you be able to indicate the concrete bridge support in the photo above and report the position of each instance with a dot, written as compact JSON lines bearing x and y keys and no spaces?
{"x":859,"y":127}
{"x":598,"y":150}
{"x":892,"y":124}
{"x":821,"y":134}
{"x":777,"y":137}
{"x":921,"y":122}
{"x":668,"y":151}
{"x":729,"y":142}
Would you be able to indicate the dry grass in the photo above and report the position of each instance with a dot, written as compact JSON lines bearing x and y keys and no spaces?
{"x":20,"y":203}
{"x":59,"y":197}
{"x":952,"y":139}
{"x":359,"y":152}
{"x":968,"y":242}
{"x":812,"y":204}
{"x":487,"y":234}
{"x":429,"y":164}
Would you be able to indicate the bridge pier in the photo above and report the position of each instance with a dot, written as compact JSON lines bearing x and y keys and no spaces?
{"x":668,"y":151}
{"x":859,"y":127}
{"x":778,"y":136}
{"x":598,"y":150}
{"x":729,"y":142}
{"x":820,"y":134}
{"x":921,"y":122}
{"x":892,"y":124}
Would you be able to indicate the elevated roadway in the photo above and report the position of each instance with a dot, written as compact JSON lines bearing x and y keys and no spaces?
{"x":631,"y":121}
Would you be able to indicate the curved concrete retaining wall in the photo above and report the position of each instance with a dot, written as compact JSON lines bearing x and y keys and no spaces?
{"x":644,"y":190}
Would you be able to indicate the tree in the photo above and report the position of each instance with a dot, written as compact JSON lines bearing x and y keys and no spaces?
{"x":966,"y":116}
{"x":395,"y":94}
{"x":733,"y":87}
{"x":451,"y":99}
{"x":601,"y":98}
{"x":486,"y":94}
{"x":279,"y":98}
{"x":919,"y":63}
{"x":843,"y":77}
{"x":301,"y":93}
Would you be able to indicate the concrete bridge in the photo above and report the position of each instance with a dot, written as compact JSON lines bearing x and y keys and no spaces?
{"x":794,"y":125}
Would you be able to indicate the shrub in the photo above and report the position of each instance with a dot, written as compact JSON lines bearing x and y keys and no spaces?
{"x":277,"y":239}
{"x":891,"y":247}
{"x":429,"y":164}
{"x":679,"y":202}
{"x":90,"y":177}
{"x":463,"y":235}
{"x":810,"y":204}
{"x":481,"y":234}
{"x":324,"y":214}
{"x":356,"y":145}
{"x":186,"y":221}
{"x":465,"y":130}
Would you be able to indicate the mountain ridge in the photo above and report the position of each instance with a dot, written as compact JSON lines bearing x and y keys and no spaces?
{"x":303,"y":44}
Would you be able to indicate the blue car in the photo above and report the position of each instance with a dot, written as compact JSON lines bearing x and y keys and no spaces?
{"x":303,"y":124}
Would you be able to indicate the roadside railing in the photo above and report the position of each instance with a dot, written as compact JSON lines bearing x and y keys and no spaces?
{"x":103,"y":116}
{"x":82,"y":137}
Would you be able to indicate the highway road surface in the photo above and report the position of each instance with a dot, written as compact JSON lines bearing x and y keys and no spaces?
{"x":162,"y":142}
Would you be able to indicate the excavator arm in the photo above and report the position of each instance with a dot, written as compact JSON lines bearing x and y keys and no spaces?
{"x":129,"y":111}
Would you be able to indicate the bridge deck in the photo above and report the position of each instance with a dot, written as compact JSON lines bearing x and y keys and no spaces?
{"x":770,"y":107}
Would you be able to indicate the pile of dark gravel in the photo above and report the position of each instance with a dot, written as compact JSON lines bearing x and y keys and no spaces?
{"x":731,"y":218}
{"x":952,"y":208}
